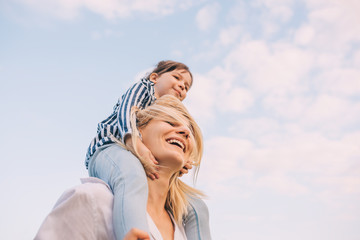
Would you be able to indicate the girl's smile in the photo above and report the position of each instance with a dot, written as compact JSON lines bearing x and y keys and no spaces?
{"x":176,"y":83}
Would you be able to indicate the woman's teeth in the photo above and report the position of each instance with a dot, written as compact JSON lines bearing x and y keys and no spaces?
{"x":176,"y":142}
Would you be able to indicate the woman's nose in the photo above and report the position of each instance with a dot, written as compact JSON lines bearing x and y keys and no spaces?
{"x":184,"y":130}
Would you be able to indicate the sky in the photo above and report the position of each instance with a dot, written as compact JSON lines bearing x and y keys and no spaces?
{"x":276,"y":93}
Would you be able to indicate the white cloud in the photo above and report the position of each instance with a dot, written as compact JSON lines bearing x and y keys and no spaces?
{"x":327,"y":113}
{"x":319,"y":164}
{"x":222,"y":158}
{"x":280,"y":9}
{"x":304,"y":35}
{"x":305,"y":83}
{"x":201,"y":98}
{"x":229,"y":35}
{"x":286,"y":106}
{"x":254,"y":127}
{"x":110,"y":9}
{"x":273,"y":14}
{"x":236,"y":100}
{"x":335,"y":24}
{"x":216,"y":91}
{"x":277,"y":68}
{"x":269,"y":28}
{"x":331,"y":114}
{"x":282,"y":184}
{"x":356,"y":59}
{"x":327,"y":60}
{"x":283,"y":12}
{"x":238,"y":12}
{"x":343,"y":184}
{"x":339,"y":81}
{"x":207,"y":16}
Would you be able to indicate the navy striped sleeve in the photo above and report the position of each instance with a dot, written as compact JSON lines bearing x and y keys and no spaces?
{"x":133,"y":97}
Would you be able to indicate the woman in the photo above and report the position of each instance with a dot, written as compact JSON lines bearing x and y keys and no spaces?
{"x":174,"y":138}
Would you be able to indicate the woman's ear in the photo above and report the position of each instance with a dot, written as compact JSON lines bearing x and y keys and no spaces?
{"x":153,"y":77}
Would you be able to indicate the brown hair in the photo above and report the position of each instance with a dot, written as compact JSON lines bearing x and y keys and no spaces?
{"x":168,"y":66}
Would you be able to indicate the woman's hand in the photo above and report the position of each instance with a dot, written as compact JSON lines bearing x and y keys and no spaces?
{"x":135,"y":234}
{"x":145,"y":156}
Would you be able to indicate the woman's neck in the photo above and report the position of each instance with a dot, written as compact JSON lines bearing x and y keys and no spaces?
{"x":158,"y":190}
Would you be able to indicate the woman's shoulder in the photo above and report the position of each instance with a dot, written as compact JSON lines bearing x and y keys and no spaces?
{"x":73,"y":214}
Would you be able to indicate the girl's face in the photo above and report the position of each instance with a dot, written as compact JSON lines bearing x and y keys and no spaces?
{"x":169,"y":142}
{"x":176,"y":83}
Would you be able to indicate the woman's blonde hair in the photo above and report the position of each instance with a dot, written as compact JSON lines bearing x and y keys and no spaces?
{"x":169,"y":108}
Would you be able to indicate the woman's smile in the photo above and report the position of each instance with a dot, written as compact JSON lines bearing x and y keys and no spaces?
{"x":177,"y":142}
{"x":168,"y":141}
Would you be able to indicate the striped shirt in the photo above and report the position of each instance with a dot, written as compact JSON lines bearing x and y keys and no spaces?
{"x":141,"y":94}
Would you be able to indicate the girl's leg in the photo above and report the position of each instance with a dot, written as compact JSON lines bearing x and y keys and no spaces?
{"x":126,"y":178}
{"x":197,"y":221}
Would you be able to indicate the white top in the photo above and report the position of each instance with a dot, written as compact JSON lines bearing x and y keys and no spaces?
{"x":179,"y":233}
{"x":85,"y":212}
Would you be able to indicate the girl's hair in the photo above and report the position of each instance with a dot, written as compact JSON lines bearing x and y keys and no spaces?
{"x":168,"y":66}
{"x":169,"y":108}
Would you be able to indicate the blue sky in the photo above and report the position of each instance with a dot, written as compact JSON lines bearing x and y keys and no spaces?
{"x":276,"y":92}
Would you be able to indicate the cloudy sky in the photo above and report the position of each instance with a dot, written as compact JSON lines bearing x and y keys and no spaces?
{"x":276,"y":93}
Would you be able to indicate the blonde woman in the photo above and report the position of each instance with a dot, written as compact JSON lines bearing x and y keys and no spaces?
{"x":174,"y":138}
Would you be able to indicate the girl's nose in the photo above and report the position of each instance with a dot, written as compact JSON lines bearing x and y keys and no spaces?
{"x":181,"y":85}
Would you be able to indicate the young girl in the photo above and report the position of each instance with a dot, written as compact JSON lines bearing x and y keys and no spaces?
{"x":123,"y":171}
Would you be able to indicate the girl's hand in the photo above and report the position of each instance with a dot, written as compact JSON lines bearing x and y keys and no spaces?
{"x":135,"y":234}
{"x":145,"y":156}
{"x":186,"y":168}
{"x":148,"y":161}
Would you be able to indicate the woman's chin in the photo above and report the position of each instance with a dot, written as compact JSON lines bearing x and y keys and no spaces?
{"x":174,"y":162}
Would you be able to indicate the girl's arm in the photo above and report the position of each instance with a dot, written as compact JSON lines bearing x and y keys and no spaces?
{"x":144,"y":155}
{"x":138,"y":95}
{"x":141,"y":96}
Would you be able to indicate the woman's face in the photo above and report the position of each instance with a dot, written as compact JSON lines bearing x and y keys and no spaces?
{"x":169,"y":142}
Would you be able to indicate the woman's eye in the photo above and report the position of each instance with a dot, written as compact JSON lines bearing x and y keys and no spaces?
{"x":177,"y":77}
{"x":170,"y":123}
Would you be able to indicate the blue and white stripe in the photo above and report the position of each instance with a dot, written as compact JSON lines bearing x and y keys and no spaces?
{"x":141,"y":94}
